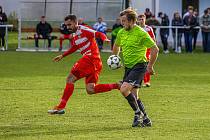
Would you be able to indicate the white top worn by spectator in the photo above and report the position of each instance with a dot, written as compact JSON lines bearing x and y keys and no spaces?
{"x":100,"y":25}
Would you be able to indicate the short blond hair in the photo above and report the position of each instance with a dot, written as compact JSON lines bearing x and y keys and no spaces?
{"x":130,"y":14}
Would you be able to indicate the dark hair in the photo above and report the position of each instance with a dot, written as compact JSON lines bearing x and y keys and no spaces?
{"x":130,"y":14}
{"x":206,"y":11}
{"x":71,"y":17}
{"x":159,"y":14}
{"x":147,"y":9}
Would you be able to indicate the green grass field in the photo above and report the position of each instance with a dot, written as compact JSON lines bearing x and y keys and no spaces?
{"x":178,"y":101}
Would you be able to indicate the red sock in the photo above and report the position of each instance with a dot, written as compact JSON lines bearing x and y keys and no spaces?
{"x":61,"y":42}
{"x":146,"y":77}
{"x":68,"y":91}
{"x":104,"y":87}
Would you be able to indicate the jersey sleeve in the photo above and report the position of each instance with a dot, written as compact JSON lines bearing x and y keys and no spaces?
{"x":94,"y":34}
{"x":100,"y":35}
{"x":73,"y":48}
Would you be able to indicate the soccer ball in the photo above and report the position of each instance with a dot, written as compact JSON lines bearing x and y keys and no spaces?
{"x":114,"y":62}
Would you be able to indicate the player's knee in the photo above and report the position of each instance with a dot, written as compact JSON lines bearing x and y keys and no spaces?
{"x":70,"y":79}
{"x":90,"y":91}
{"x":124,"y":90}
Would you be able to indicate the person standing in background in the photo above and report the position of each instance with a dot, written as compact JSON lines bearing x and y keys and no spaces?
{"x":205,"y":28}
{"x":177,"y":21}
{"x":164,"y":32}
{"x":100,"y":26}
{"x":195,"y":30}
{"x":115,"y":29}
{"x":3,"y":20}
{"x":190,"y":22}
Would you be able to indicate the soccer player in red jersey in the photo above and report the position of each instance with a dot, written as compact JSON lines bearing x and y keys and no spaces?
{"x":88,"y":67}
{"x":141,"y":21}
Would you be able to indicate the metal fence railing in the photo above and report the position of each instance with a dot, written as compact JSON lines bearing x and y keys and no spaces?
{"x":176,"y":31}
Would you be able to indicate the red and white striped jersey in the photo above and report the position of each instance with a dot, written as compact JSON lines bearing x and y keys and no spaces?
{"x":149,"y":30}
{"x":84,"y":40}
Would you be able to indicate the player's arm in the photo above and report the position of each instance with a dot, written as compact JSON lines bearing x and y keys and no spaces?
{"x":153,"y":57}
{"x":66,"y":53}
{"x":101,"y":36}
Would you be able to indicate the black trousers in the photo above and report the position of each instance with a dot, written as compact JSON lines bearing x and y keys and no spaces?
{"x":164,"y":39}
{"x":2,"y":38}
{"x":48,"y":37}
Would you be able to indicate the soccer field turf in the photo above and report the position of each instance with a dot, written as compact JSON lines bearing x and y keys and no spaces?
{"x":178,"y":102}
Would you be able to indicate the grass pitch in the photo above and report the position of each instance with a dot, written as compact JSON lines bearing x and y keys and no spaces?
{"x":178,"y":101}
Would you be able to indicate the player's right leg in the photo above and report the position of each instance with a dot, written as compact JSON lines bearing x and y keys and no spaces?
{"x":68,"y":91}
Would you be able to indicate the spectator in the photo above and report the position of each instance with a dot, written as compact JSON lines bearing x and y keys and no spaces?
{"x":65,"y":34}
{"x":43,"y":31}
{"x":208,"y":10}
{"x":115,"y":29}
{"x":205,"y":28}
{"x":152,"y":21}
{"x":177,"y":21}
{"x":189,"y":8}
{"x":148,"y":13}
{"x":195,"y":30}
{"x":164,"y":32}
{"x":81,"y":22}
{"x":3,"y":19}
{"x":100,"y":26}
{"x":190,"y":22}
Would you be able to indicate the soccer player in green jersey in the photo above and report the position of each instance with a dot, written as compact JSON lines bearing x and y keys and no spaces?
{"x":134,"y":41}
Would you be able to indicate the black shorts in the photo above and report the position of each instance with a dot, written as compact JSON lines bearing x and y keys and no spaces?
{"x":135,"y":75}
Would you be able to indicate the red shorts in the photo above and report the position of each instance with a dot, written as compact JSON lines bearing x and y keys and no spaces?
{"x":88,"y":69}
{"x":66,"y":36}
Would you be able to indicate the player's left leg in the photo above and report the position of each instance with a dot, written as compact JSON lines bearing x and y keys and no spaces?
{"x":68,"y":91}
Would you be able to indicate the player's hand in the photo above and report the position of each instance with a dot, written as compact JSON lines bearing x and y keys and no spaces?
{"x":58,"y":58}
{"x":150,"y":70}
{"x":107,"y":40}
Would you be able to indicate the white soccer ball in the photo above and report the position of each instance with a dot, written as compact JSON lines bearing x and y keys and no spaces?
{"x":114,"y":62}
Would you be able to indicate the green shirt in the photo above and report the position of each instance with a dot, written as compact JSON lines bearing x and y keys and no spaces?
{"x":134,"y":44}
